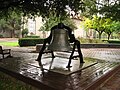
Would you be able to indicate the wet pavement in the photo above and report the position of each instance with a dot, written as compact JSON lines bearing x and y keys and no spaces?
{"x":23,"y":55}
{"x":107,"y":54}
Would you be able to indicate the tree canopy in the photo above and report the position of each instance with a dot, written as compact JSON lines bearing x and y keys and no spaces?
{"x":108,"y":8}
{"x":96,"y":23}
{"x":102,"y":24}
{"x":13,"y":23}
{"x":39,"y":7}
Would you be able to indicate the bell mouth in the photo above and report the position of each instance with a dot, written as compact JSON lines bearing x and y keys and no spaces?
{"x":62,"y":49}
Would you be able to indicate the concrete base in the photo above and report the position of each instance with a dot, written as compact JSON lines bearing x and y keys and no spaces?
{"x":38,"y":46}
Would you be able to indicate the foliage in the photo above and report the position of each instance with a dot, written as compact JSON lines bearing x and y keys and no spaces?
{"x":96,"y":23}
{"x":12,"y":23}
{"x":110,"y":9}
{"x":111,"y":26}
{"x":117,"y":26}
{"x":87,"y":24}
{"x":102,"y":24}
{"x":8,"y":82}
{"x":39,"y":7}
{"x":84,"y":40}
{"x":90,"y":8}
{"x":29,"y":41}
{"x":1,"y":36}
{"x":53,"y":20}
{"x":3,"y":25}
{"x":107,"y":8}
{"x":32,"y":36}
{"x":114,"y":41}
{"x":24,"y":32}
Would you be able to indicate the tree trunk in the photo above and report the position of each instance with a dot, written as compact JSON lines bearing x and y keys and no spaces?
{"x":100,"y":35}
{"x":12,"y":33}
{"x":109,"y":36}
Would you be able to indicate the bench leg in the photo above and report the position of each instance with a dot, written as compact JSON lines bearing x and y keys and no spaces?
{"x":3,"y":56}
{"x":10,"y":54}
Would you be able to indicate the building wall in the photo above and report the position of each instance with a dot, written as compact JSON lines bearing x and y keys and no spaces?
{"x":34,"y":26}
{"x":31,"y":27}
{"x":39,"y":23}
{"x":79,"y":32}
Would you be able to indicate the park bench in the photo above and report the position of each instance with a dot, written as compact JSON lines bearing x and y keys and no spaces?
{"x":5,"y":52}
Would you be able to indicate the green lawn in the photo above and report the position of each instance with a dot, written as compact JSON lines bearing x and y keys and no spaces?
{"x":13,"y":44}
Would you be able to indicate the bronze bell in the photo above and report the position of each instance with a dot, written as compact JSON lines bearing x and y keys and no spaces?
{"x":59,"y":40}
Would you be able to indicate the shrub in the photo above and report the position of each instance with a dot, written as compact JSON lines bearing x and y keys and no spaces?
{"x":114,"y":41}
{"x":24,"y":32}
{"x":1,"y":36}
{"x":32,"y":36}
{"x":29,"y":41}
{"x":86,"y":40}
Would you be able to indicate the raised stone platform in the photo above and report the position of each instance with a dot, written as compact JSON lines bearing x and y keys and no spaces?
{"x":38,"y":46}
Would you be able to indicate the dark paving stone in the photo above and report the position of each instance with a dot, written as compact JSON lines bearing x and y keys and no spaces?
{"x":113,"y":83}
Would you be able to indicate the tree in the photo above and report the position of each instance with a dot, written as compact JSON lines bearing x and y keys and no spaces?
{"x":13,"y":23}
{"x":113,"y":26}
{"x":3,"y":25}
{"x":90,"y":8}
{"x":53,"y":20}
{"x":96,"y":23}
{"x":109,"y":27}
{"x":25,"y":32}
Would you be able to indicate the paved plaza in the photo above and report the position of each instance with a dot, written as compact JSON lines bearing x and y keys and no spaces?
{"x":111,"y":55}
{"x":105,"y":54}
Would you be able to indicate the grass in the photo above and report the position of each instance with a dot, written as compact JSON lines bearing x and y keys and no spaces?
{"x":13,"y":44}
{"x":86,"y":40}
{"x":9,"y":83}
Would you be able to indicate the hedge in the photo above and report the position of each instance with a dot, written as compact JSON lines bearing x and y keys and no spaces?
{"x":32,"y":36}
{"x":29,"y":41}
{"x":87,"y":40}
{"x":114,"y":41}
{"x":1,"y":36}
